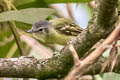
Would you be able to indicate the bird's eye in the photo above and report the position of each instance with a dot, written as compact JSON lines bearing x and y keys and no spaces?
{"x":40,"y":29}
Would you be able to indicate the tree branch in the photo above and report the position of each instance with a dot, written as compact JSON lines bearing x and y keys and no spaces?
{"x":98,"y":27}
{"x":85,"y":63}
{"x":60,"y":64}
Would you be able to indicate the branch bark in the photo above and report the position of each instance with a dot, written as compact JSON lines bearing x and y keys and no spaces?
{"x":59,"y":65}
{"x":80,"y":66}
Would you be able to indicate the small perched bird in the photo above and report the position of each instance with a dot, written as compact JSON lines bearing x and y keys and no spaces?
{"x":56,"y":31}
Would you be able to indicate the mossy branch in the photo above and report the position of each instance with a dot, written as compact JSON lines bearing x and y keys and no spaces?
{"x":59,"y":65}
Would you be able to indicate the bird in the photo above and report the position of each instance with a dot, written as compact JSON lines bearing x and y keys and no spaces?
{"x":55,"y":31}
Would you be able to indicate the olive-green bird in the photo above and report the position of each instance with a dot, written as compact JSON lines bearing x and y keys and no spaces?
{"x":56,"y":31}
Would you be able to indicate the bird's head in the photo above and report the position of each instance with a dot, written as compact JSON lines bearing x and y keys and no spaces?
{"x":40,"y":30}
{"x":40,"y":27}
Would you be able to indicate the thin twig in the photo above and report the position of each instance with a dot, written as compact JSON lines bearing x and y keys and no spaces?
{"x":113,"y":36}
{"x":16,"y":36}
{"x":6,"y":40}
{"x":13,"y":28}
{"x":69,"y":11}
{"x":108,"y":61}
{"x":92,"y":4}
{"x":72,"y":75}
{"x":12,"y":51}
{"x":84,"y":64}
{"x":95,"y":54}
{"x":114,"y":61}
{"x":74,"y":53}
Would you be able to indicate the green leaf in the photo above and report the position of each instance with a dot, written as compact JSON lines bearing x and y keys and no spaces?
{"x":20,"y":4}
{"x":29,"y":15}
{"x":66,"y":1}
{"x":111,"y":76}
{"x":97,"y":77}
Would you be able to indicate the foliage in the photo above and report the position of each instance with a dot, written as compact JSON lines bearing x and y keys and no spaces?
{"x":29,"y":12}
{"x":29,"y":15}
{"x":43,"y":3}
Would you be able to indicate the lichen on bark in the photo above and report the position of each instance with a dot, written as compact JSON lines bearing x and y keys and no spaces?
{"x":58,"y":66}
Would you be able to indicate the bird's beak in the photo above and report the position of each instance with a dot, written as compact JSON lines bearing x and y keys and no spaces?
{"x":30,"y":31}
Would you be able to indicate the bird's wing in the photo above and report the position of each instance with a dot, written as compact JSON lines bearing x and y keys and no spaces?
{"x":67,"y":27}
